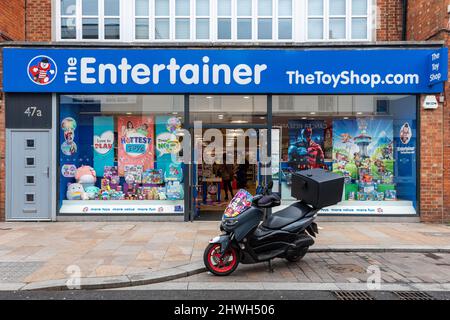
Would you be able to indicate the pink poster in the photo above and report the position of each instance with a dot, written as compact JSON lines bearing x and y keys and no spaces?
{"x":136,"y":147}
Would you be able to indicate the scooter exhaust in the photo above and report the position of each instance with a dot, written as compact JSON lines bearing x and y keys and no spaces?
{"x":304,"y":241}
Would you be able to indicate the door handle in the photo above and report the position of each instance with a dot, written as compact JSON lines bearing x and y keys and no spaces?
{"x":47,"y":172}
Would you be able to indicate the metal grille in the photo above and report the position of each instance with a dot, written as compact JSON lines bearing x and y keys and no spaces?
{"x":413,"y":295}
{"x":352,"y":295}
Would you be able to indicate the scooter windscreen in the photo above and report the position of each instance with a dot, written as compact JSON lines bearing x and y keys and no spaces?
{"x":241,"y":201}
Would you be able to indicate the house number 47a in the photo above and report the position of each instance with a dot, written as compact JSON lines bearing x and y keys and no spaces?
{"x":33,"y":112}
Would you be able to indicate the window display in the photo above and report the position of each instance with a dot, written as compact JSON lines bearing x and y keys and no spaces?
{"x":370,"y":140}
{"x":117,"y":152}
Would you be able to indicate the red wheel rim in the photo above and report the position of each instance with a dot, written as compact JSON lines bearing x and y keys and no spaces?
{"x":224,"y":264}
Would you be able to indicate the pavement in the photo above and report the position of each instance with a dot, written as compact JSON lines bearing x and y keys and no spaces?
{"x":105,"y":255}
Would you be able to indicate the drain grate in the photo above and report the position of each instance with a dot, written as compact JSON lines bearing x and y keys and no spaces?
{"x":353,"y":295}
{"x":413,"y":295}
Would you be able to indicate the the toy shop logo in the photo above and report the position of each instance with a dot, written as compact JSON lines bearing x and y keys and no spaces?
{"x":42,"y":70}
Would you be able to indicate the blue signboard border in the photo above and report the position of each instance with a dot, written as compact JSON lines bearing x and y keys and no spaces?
{"x":252,"y":71}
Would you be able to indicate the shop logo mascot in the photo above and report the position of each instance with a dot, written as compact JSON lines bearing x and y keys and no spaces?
{"x":42,"y":70}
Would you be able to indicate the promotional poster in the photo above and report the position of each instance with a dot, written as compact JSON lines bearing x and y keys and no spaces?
{"x":103,"y":143}
{"x":135,"y":145}
{"x":306,"y":144}
{"x":363,"y":143}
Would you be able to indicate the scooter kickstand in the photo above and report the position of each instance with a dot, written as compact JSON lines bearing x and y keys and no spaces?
{"x":271,"y":270}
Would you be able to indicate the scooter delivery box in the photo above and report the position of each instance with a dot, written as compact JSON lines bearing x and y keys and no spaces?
{"x":317,"y":187}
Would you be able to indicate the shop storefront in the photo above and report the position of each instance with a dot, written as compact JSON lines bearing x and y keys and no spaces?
{"x":117,"y":133}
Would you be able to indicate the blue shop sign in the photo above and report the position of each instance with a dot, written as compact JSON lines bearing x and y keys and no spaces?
{"x":256,"y":71}
{"x":438,"y":64}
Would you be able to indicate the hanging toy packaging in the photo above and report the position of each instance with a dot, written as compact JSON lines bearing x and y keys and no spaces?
{"x":174,"y":191}
{"x":173,"y":172}
{"x":152,"y":177}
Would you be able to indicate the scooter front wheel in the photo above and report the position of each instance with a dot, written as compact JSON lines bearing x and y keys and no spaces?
{"x":217,"y":265}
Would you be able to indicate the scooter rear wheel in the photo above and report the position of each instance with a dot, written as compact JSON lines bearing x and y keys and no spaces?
{"x":217,"y":265}
{"x":294,"y":256}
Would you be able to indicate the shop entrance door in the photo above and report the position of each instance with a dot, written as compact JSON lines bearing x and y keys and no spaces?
{"x":28,"y":189}
{"x":215,"y":184}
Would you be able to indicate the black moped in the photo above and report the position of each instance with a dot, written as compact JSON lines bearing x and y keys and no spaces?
{"x":286,"y":234}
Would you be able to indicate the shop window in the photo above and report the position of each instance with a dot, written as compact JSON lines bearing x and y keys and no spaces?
{"x":89,"y":19}
{"x":370,"y":140}
{"x":142,"y":20}
{"x":265,"y":19}
{"x":337,"y":19}
{"x":68,"y":19}
{"x":213,"y":20}
{"x":182,"y":20}
{"x":202,"y":8}
{"x":118,"y":154}
{"x":284,"y":19}
{"x":162,"y":19}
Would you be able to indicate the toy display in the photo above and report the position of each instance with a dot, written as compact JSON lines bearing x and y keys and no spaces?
{"x":174,"y":190}
{"x":135,"y":171}
{"x":135,"y":185}
{"x":86,"y":176}
{"x":92,"y":192}
{"x":75,"y":191}
{"x":152,"y":176}
{"x":390,"y":195}
{"x":173,"y":172}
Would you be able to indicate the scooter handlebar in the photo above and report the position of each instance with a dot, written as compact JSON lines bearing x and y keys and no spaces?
{"x":267,"y":201}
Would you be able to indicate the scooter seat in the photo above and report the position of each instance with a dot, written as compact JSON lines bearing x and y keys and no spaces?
{"x":286,"y":216}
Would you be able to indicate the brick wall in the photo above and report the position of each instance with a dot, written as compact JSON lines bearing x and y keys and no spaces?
{"x":12,"y":27}
{"x":426,"y":18}
{"x":389,"y":20}
{"x":426,"y":21}
{"x":12,"y":17}
{"x":39,"y":20}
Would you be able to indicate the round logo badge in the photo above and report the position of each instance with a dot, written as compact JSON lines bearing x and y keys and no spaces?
{"x":42,"y":70}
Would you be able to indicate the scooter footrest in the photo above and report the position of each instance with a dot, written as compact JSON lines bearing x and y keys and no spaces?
{"x":270,"y":255}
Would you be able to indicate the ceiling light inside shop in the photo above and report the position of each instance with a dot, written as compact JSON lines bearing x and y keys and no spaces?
{"x":129,"y":113}
{"x":246,"y":97}
{"x":312,"y":112}
{"x":359,"y":113}
{"x":208,"y":97}
{"x":239,"y":121}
